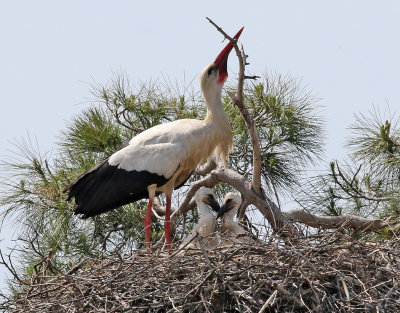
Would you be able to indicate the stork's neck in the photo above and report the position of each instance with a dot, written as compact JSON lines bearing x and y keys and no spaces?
{"x":203,"y":209}
{"x":220,"y":132}
{"x":215,"y":109}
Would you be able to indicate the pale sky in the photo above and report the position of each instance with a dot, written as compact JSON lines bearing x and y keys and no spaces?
{"x":347,"y":52}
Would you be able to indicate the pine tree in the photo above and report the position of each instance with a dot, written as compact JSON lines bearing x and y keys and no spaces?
{"x":290,"y":132}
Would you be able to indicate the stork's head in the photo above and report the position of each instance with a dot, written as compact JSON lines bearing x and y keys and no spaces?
{"x":207,"y":196}
{"x":232,"y":202}
{"x":214,"y":75}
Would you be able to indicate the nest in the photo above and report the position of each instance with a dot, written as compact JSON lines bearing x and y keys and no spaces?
{"x":317,"y":274}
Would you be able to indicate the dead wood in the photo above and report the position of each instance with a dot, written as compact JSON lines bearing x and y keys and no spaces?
{"x":331,"y":222}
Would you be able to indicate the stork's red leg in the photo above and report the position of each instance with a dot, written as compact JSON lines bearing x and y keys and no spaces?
{"x":147,"y":225}
{"x":167,"y":223}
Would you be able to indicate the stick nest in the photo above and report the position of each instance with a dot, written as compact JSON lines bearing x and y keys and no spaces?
{"x":318,"y":274}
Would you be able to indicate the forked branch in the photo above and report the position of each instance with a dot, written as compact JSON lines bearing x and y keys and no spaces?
{"x":238,"y":102}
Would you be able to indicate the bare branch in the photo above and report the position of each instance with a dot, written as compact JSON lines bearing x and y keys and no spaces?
{"x":268,"y":208}
{"x":333,"y":222}
{"x":242,"y":209}
{"x":244,"y":55}
{"x":11,"y":269}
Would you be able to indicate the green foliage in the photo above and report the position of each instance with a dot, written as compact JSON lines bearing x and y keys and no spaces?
{"x":376,"y":143}
{"x":290,"y":135}
{"x":34,"y":196}
{"x":92,"y":132}
{"x":368,"y":184}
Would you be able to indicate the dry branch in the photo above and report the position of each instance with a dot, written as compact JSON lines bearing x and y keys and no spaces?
{"x":268,"y":208}
{"x":331,"y":222}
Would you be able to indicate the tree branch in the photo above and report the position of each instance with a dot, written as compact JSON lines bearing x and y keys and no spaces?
{"x":333,"y":222}
{"x":11,"y":268}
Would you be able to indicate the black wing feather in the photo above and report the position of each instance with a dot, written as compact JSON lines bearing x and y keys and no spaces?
{"x":106,"y":187}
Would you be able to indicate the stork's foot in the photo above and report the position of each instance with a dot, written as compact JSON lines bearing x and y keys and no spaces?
{"x":148,"y":249}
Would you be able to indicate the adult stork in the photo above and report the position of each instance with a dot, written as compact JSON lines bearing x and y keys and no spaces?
{"x":231,"y":232}
{"x":206,"y":226}
{"x":161,"y":158}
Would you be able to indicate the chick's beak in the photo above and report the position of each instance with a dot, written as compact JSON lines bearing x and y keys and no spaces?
{"x":213,"y":204}
{"x":225,"y":208}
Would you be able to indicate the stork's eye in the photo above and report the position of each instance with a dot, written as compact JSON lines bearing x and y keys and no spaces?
{"x":210,"y":70}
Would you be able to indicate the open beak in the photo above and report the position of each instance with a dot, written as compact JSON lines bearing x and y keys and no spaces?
{"x":213,"y":204}
{"x":225,"y":208}
{"x":222,"y":59}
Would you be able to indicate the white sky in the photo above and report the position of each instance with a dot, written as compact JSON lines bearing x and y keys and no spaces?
{"x":347,"y":52}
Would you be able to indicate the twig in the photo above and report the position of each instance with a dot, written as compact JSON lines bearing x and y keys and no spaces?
{"x":11,"y":269}
{"x":185,"y":245}
{"x":77,"y":266}
{"x":251,"y":77}
{"x":287,"y":295}
{"x":270,"y":302}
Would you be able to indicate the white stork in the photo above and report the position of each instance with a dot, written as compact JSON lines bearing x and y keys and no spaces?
{"x":231,"y":232}
{"x":206,"y":226}
{"x":161,"y":158}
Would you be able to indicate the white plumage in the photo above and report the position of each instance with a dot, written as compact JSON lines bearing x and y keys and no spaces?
{"x":177,"y":147}
{"x":206,"y":226}
{"x":231,"y":232}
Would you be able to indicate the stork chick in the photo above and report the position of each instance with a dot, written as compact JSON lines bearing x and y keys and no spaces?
{"x":207,"y":224}
{"x":231,"y":232}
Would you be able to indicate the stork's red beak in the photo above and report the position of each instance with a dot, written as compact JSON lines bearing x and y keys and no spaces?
{"x":222,"y":59}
